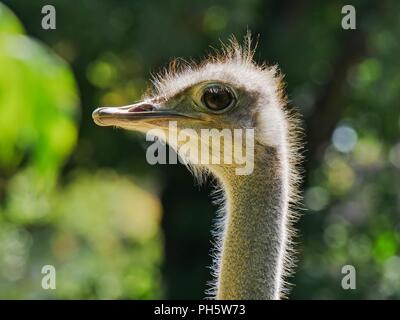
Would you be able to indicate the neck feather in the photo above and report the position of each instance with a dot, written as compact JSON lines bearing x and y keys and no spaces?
{"x":255,"y":230}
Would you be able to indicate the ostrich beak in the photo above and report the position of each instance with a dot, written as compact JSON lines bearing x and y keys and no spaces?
{"x":135,"y":113}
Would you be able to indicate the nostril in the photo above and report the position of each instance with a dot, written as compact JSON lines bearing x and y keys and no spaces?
{"x":141,"y":108}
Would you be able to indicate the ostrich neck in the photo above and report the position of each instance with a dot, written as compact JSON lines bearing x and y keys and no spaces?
{"x":254,"y":237}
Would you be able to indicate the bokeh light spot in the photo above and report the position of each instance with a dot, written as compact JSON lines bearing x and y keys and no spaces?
{"x":316,"y":198}
{"x":344,"y":138}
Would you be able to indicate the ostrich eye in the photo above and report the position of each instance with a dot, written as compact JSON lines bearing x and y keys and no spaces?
{"x":217,"y":98}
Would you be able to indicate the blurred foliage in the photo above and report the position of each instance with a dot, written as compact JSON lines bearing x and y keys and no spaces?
{"x":345,"y":83}
{"x":99,"y":230}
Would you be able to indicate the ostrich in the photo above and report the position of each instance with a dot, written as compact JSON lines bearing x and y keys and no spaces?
{"x":254,"y":237}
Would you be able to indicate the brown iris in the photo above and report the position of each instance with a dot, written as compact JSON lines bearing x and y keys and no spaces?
{"x":217,"y":97}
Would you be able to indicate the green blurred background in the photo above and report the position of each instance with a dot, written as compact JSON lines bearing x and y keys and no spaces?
{"x":84,"y":199}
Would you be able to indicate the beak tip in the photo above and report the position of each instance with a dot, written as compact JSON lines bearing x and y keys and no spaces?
{"x":96,"y":115}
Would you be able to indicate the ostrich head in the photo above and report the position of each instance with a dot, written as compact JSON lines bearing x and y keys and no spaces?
{"x":225,"y":91}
